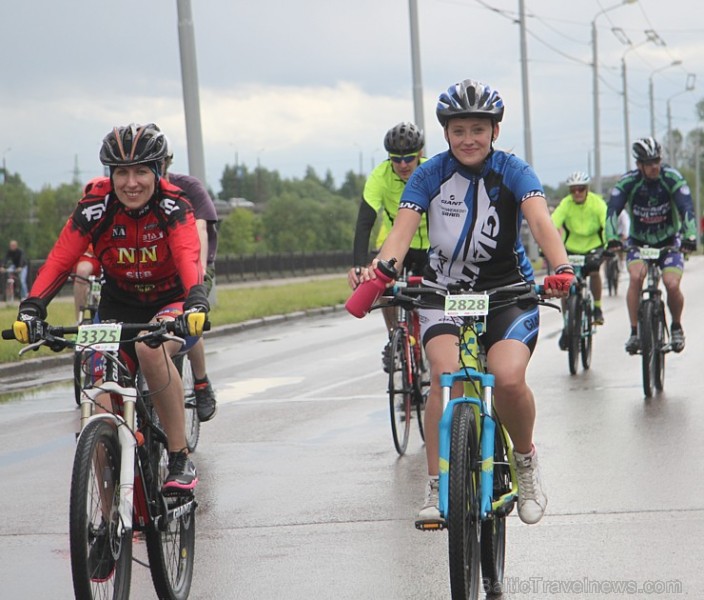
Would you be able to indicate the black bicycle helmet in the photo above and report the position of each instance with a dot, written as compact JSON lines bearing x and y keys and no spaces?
{"x":134,"y":145}
{"x":404,"y":138}
{"x":469,"y":98}
{"x":646,"y":149}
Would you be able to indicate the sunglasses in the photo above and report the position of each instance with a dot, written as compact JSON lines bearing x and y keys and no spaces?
{"x":406,"y":158}
{"x":578,"y":188}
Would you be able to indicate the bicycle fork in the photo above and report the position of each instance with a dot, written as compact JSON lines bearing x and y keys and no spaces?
{"x":125,"y":426}
{"x":486,"y":429}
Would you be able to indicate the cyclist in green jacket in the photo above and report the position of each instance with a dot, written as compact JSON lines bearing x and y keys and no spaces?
{"x":581,"y":217}
{"x":382,"y":193}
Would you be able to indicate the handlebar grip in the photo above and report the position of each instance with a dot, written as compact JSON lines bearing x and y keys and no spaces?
{"x":8,"y":334}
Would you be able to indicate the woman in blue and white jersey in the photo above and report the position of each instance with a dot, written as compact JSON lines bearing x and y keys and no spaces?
{"x":475,"y":198}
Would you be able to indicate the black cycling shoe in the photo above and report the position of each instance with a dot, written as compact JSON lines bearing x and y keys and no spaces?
{"x":206,"y":404}
{"x":633,"y":345}
{"x":598,"y":316}
{"x":562,"y":342}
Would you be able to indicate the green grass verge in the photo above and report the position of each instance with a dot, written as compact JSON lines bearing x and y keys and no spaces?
{"x":234,"y":305}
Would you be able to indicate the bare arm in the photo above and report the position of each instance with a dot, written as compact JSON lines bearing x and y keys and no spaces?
{"x":544,"y":231}
{"x":202,"y":227}
{"x":398,"y":241}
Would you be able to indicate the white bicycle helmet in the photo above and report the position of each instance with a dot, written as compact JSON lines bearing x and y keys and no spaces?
{"x":646,"y":149}
{"x":578,"y":178}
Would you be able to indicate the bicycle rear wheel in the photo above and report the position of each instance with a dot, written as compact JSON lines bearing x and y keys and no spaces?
{"x":101,"y":557}
{"x":400,"y":390}
{"x":463,"y":522}
{"x":493,"y":540}
{"x":574,"y":328}
{"x":586,"y":338}
{"x":170,"y":540}
{"x":183,"y":364}
{"x":646,"y":333}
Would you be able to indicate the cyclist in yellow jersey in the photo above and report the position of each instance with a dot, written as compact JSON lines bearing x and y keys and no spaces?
{"x":581,"y":217}
{"x":382,"y":193}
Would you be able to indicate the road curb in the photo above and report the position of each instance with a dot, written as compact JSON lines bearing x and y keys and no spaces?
{"x":65,"y":358}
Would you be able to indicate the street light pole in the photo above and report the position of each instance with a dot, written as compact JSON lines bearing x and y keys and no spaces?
{"x":689,"y":86}
{"x":4,"y":166}
{"x":651,"y":36}
{"x":596,"y":181}
{"x":651,"y":95}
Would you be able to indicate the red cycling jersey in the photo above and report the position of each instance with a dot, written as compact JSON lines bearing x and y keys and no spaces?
{"x":150,"y":256}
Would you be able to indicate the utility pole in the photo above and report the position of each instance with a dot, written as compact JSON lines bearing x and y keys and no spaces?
{"x":415,"y":66}
{"x":191,"y":101}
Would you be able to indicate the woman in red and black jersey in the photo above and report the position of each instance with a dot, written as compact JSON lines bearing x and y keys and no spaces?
{"x":144,"y":235}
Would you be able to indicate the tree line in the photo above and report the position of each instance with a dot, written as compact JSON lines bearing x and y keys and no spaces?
{"x":310,"y":214}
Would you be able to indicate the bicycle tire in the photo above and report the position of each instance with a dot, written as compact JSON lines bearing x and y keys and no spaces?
{"x":183,"y":365}
{"x":493,"y":535}
{"x":574,"y":328}
{"x":463,"y":522}
{"x":400,"y":390}
{"x":95,"y":469}
{"x":585,"y":343}
{"x":171,"y":547}
{"x":612,"y":275}
{"x":646,"y":333}
{"x":662,"y":339}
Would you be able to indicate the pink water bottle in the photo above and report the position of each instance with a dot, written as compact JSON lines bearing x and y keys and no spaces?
{"x":367,"y":293}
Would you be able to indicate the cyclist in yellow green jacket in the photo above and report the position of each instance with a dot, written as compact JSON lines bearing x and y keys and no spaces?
{"x":581,"y":217}
{"x":382,"y":192}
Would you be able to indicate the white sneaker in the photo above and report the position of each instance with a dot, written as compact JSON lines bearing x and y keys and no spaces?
{"x":531,"y":497}
{"x":431,"y":510}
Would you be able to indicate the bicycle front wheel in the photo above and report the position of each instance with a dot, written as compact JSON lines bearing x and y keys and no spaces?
{"x":171,"y":539}
{"x":101,"y":554}
{"x":646,"y":326}
{"x":400,"y":390}
{"x":463,"y":522}
{"x":661,"y":339}
{"x":586,"y":338}
{"x":574,"y":329}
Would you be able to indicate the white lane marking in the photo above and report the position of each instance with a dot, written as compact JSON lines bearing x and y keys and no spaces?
{"x":239,"y":390}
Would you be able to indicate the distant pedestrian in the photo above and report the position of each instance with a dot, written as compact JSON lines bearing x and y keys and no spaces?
{"x":16,"y":262}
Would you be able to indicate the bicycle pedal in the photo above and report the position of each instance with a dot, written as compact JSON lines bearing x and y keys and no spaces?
{"x":432,"y":525}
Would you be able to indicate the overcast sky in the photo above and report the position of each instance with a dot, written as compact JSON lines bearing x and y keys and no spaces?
{"x":318,"y":82}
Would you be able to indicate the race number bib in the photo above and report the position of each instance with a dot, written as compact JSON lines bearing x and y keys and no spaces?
{"x":576,"y":260}
{"x":649,"y":253}
{"x":467,"y":305}
{"x":104,"y":337}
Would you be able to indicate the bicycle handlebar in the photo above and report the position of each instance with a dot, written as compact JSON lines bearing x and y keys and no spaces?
{"x":411,"y":296}
{"x":54,"y":335}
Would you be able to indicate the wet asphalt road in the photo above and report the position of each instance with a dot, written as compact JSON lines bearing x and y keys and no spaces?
{"x":303,"y":496}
